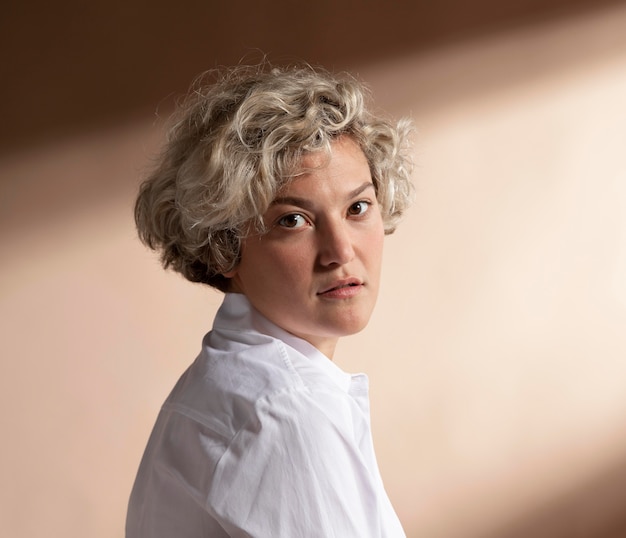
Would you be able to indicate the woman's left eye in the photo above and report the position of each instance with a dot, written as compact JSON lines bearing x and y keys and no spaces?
{"x":358,"y":208}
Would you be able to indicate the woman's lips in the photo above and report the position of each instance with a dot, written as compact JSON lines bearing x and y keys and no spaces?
{"x":343,"y":289}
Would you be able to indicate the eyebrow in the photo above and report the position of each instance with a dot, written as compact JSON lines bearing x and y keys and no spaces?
{"x":308,"y":204}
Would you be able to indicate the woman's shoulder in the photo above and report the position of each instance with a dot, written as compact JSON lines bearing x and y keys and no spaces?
{"x":226,"y":387}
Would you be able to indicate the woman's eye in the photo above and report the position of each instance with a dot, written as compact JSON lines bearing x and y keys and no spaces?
{"x":358,"y":208}
{"x":295,"y":220}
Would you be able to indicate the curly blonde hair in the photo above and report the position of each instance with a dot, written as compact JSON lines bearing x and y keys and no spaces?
{"x":234,"y":144}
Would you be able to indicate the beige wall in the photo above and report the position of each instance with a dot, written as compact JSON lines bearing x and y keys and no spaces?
{"x":497,"y":355}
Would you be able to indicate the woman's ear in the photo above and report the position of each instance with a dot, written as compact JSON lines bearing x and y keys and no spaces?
{"x":233,"y":281}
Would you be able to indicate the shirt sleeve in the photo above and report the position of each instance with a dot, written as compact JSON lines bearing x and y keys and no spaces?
{"x":299,"y":469}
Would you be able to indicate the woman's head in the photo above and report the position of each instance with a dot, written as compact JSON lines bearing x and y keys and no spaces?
{"x":237,"y":142}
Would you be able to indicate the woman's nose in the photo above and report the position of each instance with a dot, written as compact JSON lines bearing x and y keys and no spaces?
{"x":335,"y":244}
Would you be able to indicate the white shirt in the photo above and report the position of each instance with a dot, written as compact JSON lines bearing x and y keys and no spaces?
{"x":263,"y":436}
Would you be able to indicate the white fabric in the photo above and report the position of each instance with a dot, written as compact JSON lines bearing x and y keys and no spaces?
{"x":263,"y":436}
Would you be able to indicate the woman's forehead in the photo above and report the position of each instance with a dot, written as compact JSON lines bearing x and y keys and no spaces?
{"x":342,"y":171}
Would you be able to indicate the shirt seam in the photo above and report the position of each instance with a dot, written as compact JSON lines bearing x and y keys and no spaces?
{"x":194,"y":416}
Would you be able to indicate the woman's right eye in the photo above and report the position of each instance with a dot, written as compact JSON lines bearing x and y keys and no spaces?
{"x":294,"y":220}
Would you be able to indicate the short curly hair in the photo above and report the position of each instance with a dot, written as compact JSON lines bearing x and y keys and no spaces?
{"x":236,"y":141}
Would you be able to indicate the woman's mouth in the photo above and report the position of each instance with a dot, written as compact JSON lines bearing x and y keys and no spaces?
{"x":343,"y":289}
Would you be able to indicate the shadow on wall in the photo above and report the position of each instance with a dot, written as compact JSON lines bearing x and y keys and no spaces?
{"x":82,"y":65}
{"x":597,"y":511}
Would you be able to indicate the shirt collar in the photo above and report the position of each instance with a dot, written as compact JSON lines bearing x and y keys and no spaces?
{"x":237,"y":314}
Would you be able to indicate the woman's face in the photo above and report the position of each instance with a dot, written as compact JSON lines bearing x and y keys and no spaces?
{"x":315,"y":272}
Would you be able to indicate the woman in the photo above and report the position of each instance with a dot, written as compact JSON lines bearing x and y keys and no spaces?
{"x":276,"y":187}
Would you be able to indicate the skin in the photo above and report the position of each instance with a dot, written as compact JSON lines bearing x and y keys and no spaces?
{"x":315,"y":272}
